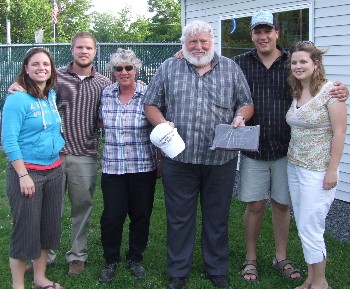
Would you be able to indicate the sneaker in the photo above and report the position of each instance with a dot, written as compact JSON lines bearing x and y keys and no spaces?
{"x":30,"y":269}
{"x":136,"y":269}
{"x":76,"y":267}
{"x":219,"y":281}
{"x":108,"y":272}
{"x":177,"y":283}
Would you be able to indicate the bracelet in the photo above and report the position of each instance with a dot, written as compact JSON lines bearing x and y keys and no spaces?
{"x":21,"y":176}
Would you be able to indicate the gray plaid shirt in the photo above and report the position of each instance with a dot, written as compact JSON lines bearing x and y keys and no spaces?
{"x":196,"y":104}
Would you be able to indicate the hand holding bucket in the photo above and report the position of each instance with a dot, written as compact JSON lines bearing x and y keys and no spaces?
{"x":167,"y":139}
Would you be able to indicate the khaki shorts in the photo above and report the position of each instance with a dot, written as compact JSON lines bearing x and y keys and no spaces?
{"x":262,"y":180}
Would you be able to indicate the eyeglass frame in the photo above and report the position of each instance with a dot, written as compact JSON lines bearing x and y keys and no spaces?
{"x":119,"y":68}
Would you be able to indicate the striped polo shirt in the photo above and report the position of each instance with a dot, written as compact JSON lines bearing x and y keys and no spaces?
{"x":78,"y":103}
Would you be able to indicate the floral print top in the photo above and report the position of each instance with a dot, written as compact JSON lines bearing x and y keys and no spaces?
{"x":311,"y":132}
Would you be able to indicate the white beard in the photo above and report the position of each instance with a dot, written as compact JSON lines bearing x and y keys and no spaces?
{"x":203,"y":61}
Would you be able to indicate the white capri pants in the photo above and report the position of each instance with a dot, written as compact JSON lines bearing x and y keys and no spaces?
{"x":311,"y":204}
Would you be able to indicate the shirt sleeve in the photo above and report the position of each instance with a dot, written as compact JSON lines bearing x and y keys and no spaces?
{"x":155,"y":93}
{"x":329,"y":100}
{"x":242,"y":91}
{"x":13,"y":117}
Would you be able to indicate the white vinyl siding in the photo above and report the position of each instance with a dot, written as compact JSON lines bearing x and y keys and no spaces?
{"x":329,"y":28}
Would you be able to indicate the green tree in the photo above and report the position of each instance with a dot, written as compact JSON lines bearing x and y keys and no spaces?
{"x":73,"y":18}
{"x":166,"y":23}
{"x":3,"y":15}
{"x":109,"y":28}
{"x":27,"y":15}
{"x":120,"y":28}
{"x":140,"y":30}
{"x":104,"y":27}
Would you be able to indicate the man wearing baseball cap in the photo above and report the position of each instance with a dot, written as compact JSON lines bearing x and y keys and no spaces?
{"x":263,"y":174}
{"x":263,"y":17}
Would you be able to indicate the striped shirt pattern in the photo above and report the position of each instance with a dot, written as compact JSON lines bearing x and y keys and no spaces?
{"x":127,"y":146}
{"x":272,"y":99}
{"x":196,"y":104}
{"x":78,"y":103}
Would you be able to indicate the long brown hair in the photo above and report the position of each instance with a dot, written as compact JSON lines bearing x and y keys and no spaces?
{"x":319,"y":74}
{"x":28,"y":84}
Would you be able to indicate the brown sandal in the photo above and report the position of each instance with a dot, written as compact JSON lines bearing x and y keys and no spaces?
{"x":250,"y":272}
{"x":286,"y":272}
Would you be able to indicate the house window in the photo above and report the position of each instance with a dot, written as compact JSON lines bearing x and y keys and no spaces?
{"x":236,"y":36}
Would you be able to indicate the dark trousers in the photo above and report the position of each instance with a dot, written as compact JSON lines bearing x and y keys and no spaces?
{"x":183,"y":185}
{"x":132,"y":195}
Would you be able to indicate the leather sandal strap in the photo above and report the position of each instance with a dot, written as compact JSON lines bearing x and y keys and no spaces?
{"x":250,"y":262}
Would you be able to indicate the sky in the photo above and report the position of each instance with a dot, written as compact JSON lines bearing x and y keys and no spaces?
{"x":138,"y":7}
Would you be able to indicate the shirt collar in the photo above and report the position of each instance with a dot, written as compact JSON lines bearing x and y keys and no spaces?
{"x":254,"y":52}
{"x":70,"y":70}
{"x":139,"y":91}
{"x":284,"y":53}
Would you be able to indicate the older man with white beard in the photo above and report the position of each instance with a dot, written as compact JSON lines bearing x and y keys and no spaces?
{"x":194,"y":94}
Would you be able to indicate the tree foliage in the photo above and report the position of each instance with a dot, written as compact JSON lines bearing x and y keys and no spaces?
{"x":163,"y":26}
{"x":110,"y":28}
{"x":166,"y":23}
{"x":73,"y":18}
{"x":27,"y":15}
{"x":120,"y":28}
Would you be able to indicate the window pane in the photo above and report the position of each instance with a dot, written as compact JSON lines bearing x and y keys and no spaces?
{"x":236,"y":35}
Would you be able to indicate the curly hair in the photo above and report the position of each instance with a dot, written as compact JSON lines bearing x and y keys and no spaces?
{"x":28,"y":84}
{"x":319,"y":74}
{"x":123,"y":55}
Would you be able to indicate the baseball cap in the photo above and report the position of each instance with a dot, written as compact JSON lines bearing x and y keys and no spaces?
{"x":263,"y":17}
{"x":167,"y":139}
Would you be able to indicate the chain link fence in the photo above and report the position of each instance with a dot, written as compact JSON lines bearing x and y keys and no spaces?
{"x":151,"y":54}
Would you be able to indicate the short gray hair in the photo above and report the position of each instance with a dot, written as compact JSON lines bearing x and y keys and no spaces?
{"x":196,"y":27}
{"x":124,"y":55}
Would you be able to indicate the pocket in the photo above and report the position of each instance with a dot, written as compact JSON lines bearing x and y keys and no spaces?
{"x":42,"y":147}
{"x":223,"y":98}
{"x":58,"y":143}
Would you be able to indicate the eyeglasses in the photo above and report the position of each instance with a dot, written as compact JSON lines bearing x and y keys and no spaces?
{"x":120,"y":68}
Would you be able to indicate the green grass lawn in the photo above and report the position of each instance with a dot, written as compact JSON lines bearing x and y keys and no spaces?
{"x":338,"y":268}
